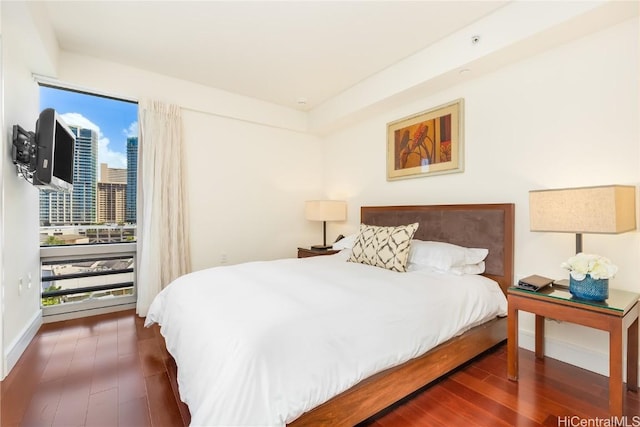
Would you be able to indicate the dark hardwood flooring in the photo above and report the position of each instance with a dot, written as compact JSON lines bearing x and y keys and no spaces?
{"x":109,"y":370}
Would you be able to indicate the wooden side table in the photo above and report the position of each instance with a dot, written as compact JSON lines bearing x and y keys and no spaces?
{"x":307,"y":252}
{"x":619,"y":313}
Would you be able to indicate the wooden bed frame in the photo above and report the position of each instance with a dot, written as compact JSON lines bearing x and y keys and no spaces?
{"x":488,"y":226}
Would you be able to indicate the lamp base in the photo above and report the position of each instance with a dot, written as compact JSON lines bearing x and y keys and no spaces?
{"x":321,"y":247}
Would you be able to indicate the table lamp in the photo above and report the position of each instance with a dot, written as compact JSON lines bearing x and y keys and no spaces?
{"x":325,"y":210}
{"x":609,"y":209}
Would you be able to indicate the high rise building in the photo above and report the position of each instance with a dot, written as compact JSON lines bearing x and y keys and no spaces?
{"x":132,"y":174}
{"x":111,"y":194}
{"x":55,"y":208}
{"x":108,"y":174}
{"x":111,"y":202}
{"x":79,"y":207}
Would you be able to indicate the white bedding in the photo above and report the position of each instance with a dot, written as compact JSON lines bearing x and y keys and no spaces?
{"x":259,"y":344}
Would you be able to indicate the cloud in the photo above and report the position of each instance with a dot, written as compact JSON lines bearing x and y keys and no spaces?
{"x":114,"y":159}
{"x":132,"y":130}
{"x":77,"y":119}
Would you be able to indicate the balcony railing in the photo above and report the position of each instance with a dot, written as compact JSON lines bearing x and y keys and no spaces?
{"x":83,"y":277}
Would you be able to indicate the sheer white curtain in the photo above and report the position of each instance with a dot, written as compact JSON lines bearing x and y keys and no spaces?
{"x":163,"y":234}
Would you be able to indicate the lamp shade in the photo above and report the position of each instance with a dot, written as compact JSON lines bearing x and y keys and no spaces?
{"x":325,"y":210}
{"x":607,"y":209}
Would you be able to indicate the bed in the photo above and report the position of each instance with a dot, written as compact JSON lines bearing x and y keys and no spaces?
{"x":375,"y":386}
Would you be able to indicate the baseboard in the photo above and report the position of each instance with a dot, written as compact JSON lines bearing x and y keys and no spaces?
{"x":87,"y":312}
{"x":19,"y":345}
{"x":583,"y":357}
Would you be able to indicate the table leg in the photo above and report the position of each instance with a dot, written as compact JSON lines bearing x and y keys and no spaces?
{"x":512,"y":343}
{"x":539,"y":337}
{"x":615,"y":369}
{"x":632,"y":356}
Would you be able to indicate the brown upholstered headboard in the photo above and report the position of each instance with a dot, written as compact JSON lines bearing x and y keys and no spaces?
{"x":475,"y":226}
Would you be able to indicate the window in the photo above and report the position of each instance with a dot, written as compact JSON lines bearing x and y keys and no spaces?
{"x":87,"y":236}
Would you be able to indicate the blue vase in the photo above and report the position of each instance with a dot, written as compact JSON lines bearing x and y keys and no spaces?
{"x":589,"y":288}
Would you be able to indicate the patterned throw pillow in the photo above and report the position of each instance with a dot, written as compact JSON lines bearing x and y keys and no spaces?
{"x":386,"y":247}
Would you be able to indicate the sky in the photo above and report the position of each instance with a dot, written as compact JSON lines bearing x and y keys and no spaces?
{"x":113,"y":120}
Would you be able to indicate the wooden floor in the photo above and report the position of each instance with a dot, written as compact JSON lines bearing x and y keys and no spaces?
{"x":110,"y":371}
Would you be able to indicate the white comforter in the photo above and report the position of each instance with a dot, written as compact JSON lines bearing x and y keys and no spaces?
{"x":259,"y":344}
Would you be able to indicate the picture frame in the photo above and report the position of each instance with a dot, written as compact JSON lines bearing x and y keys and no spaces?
{"x":427,"y":143}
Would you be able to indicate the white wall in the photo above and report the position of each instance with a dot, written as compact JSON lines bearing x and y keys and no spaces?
{"x":2,"y":141}
{"x":22,"y":54}
{"x":249,"y":168}
{"x":246,"y":184}
{"x":566,"y":117}
{"x":20,"y":215}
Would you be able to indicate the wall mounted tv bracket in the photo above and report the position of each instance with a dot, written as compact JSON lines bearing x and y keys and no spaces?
{"x":24,"y":152}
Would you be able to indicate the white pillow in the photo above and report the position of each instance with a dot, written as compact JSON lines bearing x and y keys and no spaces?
{"x":468,"y":269}
{"x":443,"y":256}
{"x":458,"y":270}
{"x":345,"y":242}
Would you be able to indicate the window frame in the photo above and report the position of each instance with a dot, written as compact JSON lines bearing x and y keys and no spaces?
{"x":71,"y":252}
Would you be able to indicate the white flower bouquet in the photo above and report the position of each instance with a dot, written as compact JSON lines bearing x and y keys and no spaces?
{"x":598,"y":267}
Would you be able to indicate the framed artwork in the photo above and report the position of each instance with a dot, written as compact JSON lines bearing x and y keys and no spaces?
{"x":427,"y":143}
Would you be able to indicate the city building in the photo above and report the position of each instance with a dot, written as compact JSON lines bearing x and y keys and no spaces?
{"x":108,"y":174}
{"x":79,"y":206}
{"x":111,"y":194}
{"x":132,"y":173}
{"x":111,"y":202}
{"x":55,"y":208}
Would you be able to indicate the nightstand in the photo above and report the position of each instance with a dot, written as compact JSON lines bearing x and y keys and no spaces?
{"x":306,"y":252}
{"x":619,"y":313}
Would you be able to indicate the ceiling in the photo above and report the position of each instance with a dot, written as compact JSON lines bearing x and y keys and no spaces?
{"x":276,"y":51}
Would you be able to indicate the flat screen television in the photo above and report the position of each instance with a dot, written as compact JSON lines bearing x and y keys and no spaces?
{"x":55,"y":150}
{"x":45,"y":157}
